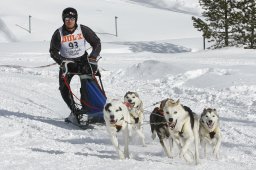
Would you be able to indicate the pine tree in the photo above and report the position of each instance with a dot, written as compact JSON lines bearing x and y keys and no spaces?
{"x":247,"y":26}
{"x":202,"y":26}
{"x":219,"y":21}
{"x":238,"y":27}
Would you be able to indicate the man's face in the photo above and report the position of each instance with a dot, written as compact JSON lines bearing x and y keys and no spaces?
{"x":70,"y":22}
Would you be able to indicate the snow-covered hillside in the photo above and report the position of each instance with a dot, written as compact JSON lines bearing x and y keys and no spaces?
{"x":157,"y":54}
{"x":135,"y":22}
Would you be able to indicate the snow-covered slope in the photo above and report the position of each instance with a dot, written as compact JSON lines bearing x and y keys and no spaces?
{"x":134,"y":22}
{"x":32,"y":132}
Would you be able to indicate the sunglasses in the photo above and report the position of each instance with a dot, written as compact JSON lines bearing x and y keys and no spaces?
{"x":70,"y":18}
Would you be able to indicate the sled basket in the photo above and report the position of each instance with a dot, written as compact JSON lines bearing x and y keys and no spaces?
{"x":95,"y":100}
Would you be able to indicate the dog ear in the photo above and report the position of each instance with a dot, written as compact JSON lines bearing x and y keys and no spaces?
{"x":136,"y":94}
{"x":205,"y":110}
{"x":178,"y":101}
{"x":126,"y":94}
{"x":215,"y":111}
{"x":107,"y":106}
{"x":163,"y":102}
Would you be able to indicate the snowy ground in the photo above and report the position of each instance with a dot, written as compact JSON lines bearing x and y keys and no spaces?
{"x":34,"y":136}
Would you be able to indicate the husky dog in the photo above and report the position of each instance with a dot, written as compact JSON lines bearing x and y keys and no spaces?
{"x":117,"y":118}
{"x":184,"y":126}
{"x":135,"y":108}
{"x":159,"y":126}
{"x":209,"y":130}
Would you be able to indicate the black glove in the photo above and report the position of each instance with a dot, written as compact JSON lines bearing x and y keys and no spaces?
{"x":93,"y":63}
{"x":89,"y":66}
{"x":73,"y":67}
{"x":84,"y":68}
{"x":83,"y":58}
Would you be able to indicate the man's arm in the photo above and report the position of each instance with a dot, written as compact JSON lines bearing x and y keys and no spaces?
{"x":93,"y":40}
{"x":55,"y":47}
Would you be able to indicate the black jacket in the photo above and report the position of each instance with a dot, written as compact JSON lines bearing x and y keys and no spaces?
{"x":89,"y":36}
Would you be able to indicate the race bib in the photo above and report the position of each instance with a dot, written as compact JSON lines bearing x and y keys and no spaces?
{"x":72,"y":45}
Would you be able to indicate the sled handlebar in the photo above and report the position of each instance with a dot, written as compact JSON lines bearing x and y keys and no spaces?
{"x":64,"y":66}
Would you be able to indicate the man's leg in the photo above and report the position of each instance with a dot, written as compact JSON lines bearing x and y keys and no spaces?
{"x":65,"y":93}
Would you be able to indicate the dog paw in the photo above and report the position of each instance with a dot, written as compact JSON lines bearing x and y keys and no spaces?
{"x":197,"y":162}
{"x":127,"y":156}
{"x":153,"y":136}
{"x":181,"y":154}
{"x":169,"y":156}
{"x":216,"y":153}
{"x":121,"y":155}
{"x":186,"y":156}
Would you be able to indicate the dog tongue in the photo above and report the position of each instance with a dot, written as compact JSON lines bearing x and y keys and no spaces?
{"x":172,"y":125}
{"x":210,"y":125}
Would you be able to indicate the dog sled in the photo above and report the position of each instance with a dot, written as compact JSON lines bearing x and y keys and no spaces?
{"x":93,"y":98}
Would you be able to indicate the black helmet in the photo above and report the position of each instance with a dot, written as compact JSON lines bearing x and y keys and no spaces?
{"x":69,"y":13}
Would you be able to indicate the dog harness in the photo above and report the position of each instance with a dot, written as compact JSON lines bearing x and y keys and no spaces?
{"x":212,"y":134}
{"x":181,"y":131}
{"x":118,"y":127}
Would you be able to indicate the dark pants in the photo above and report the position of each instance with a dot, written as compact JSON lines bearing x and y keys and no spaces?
{"x":66,"y":94}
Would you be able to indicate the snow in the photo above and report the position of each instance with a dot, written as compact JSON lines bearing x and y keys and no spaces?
{"x":158,"y":54}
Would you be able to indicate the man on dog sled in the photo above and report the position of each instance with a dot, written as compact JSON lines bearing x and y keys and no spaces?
{"x":68,"y":49}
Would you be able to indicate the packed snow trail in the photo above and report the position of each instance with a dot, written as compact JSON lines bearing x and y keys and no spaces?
{"x":33,"y":132}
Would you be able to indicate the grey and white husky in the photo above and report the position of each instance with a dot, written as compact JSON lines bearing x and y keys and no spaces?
{"x":135,"y":108}
{"x":184,"y":127}
{"x":209,"y":131}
